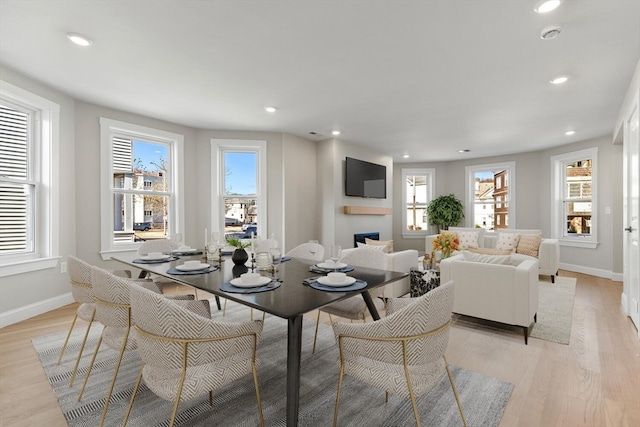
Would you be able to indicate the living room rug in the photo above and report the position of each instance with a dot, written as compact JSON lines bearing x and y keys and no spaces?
{"x":483,"y":398}
{"x":555,"y":310}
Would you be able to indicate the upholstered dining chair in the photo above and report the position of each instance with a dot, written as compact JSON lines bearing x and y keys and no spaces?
{"x":113,"y":310}
{"x":308,"y":251}
{"x":403,"y":353}
{"x":186,"y":354}
{"x":354,"y":308}
{"x":82,"y":291}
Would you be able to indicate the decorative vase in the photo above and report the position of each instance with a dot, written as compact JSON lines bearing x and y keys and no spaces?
{"x":239,"y":257}
{"x":446,"y":253}
{"x":239,"y":270}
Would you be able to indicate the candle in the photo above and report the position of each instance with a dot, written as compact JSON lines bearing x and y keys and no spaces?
{"x":205,"y":238}
{"x":252,"y":234}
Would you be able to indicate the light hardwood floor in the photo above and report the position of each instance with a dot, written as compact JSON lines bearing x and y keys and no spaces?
{"x":593,"y":381}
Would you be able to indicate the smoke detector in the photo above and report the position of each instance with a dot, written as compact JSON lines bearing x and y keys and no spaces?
{"x":550,"y":33}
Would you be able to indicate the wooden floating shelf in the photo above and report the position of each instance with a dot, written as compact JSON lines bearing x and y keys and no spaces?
{"x":366,"y":210}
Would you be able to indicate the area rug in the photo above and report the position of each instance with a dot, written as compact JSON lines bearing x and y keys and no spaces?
{"x":483,"y":398}
{"x":555,"y":310}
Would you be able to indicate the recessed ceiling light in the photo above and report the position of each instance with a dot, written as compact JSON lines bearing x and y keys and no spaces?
{"x":559,"y":80}
{"x":79,"y":39}
{"x":465,"y":150}
{"x":335,"y":133}
{"x":270,"y":109}
{"x":406,"y":156}
{"x":570,"y":132}
{"x":544,"y":6}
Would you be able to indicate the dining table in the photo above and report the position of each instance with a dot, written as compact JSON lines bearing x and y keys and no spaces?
{"x":291,"y":299}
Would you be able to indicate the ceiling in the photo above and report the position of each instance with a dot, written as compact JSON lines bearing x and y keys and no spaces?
{"x":424,"y":78}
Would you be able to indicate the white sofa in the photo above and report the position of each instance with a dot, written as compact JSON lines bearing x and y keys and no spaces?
{"x":401,"y":261}
{"x":500,"y":293}
{"x":548,"y":251}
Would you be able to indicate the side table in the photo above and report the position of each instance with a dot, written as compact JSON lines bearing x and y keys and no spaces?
{"x":422,"y":281}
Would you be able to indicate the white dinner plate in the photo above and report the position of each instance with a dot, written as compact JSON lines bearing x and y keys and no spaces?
{"x":261,"y":282}
{"x":155,"y":258}
{"x":331,"y":266}
{"x":200,"y":266}
{"x":324,"y":280}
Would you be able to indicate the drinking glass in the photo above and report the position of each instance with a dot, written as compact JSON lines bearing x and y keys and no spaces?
{"x":313,"y":248}
{"x":336,"y":253}
{"x":276,"y":259}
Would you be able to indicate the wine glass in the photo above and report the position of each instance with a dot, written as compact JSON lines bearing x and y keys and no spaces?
{"x":276,"y":259}
{"x":313,"y":248}
{"x":336,"y":254}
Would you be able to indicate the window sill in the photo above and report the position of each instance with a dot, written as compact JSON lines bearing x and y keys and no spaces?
{"x":106,"y":255}
{"x":415,"y":234}
{"x":578,"y":244}
{"x":27,"y":266}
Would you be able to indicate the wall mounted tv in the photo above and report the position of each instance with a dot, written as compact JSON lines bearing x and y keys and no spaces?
{"x":365,"y":179}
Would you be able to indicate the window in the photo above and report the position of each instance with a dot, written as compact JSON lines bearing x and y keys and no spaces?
{"x":239,"y":186}
{"x":417,"y":192}
{"x":141,"y":183}
{"x":28,"y":181}
{"x":574,"y":180}
{"x":490,"y":191}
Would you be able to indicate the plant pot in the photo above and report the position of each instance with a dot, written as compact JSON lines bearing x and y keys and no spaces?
{"x":239,"y":257}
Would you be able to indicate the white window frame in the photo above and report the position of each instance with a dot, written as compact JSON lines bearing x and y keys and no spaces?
{"x":469,"y":189}
{"x":218,"y":147}
{"x":558,"y":183}
{"x":430,"y":173}
{"x":109,"y":128}
{"x":45,"y":140}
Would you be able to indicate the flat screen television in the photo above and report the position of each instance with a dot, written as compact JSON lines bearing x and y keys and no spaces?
{"x":365,"y":179}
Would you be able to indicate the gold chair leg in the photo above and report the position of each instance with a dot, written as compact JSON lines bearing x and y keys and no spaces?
{"x":133,"y":396}
{"x":335,"y":413}
{"x":263,"y":314}
{"x":64,"y":346}
{"x":178,"y":395}
{"x":410,"y":386}
{"x":115,"y":375}
{"x":84,"y":341}
{"x":93,"y":359}
{"x":315,"y":337}
{"x":455,"y":391}
{"x":255,"y":382}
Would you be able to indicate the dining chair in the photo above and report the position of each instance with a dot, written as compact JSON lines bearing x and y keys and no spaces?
{"x":403,"y":353}
{"x":354,"y":308}
{"x":82,"y":291}
{"x":186,"y":354}
{"x":308,"y":251}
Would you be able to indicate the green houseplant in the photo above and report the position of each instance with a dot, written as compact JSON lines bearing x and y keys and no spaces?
{"x":445,"y":211}
{"x":239,"y":255}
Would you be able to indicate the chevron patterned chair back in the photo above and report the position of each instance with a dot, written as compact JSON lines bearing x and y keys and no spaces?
{"x":157,"y":245}
{"x":302,"y":251}
{"x":186,"y":355}
{"x":404,"y":353}
{"x":354,"y":308}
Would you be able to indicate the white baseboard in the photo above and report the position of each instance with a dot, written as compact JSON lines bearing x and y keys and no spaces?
{"x":607,"y":274}
{"x":19,"y":314}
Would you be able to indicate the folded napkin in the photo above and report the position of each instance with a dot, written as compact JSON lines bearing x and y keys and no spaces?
{"x":228,"y":287}
{"x":175,"y":271}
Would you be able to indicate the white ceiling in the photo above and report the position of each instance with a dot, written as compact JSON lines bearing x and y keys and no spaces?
{"x":420,"y":77}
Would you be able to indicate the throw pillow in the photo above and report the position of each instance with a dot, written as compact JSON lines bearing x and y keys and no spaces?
{"x":379,"y":248}
{"x":529,"y":244}
{"x":507,"y":241}
{"x":488,"y":259}
{"x":387,"y":243}
{"x":490,"y":251}
{"x":468,"y":239}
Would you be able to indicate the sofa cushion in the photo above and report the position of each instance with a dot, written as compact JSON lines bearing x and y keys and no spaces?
{"x":507,"y":241}
{"x":387,"y":243}
{"x":490,"y":251}
{"x":468,"y":239}
{"x":379,"y":248}
{"x":480,"y":236}
{"x":488,"y":259}
{"x":529,"y":244}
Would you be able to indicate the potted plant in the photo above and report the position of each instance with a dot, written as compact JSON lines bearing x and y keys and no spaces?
{"x":445,"y":211}
{"x":239,"y":255}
